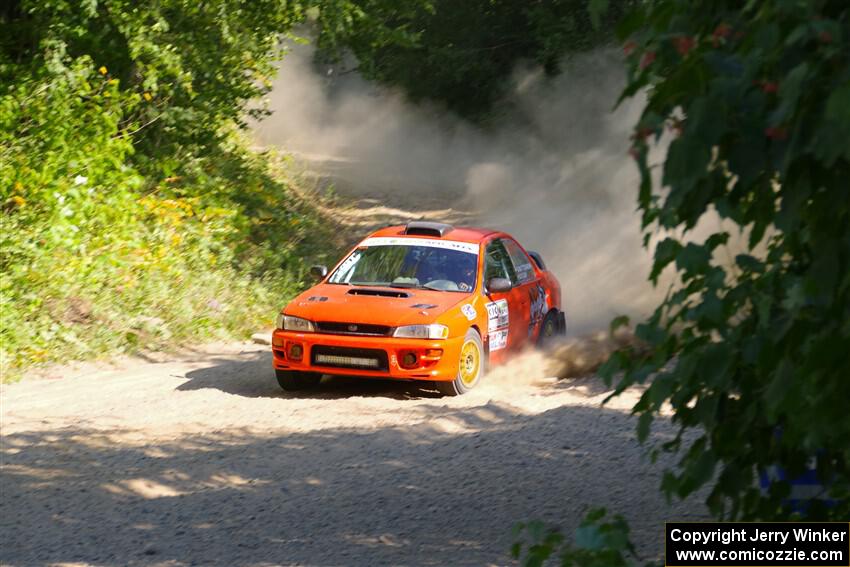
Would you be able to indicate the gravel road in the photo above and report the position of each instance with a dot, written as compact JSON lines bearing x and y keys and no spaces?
{"x":201,"y":459}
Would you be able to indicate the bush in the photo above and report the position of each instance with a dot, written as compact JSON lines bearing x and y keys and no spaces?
{"x":599,"y":541}
{"x":98,"y":257}
{"x":756,"y":101}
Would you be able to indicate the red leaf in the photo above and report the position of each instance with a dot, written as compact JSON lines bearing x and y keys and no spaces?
{"x":647,"y":59}
{"x":684,"y":44}
{"x":723,"y":30}
{"x":776,"y":133}
{"x":642,"y":134}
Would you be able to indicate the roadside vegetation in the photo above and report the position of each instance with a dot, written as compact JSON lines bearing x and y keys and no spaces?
{"x":134,"y":212}
{"x":462,"y":54}
{"x":751,"y":356}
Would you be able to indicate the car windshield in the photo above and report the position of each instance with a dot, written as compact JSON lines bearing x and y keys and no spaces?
{"x":439,"y":265}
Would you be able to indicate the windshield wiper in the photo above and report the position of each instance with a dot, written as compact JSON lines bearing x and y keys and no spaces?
{"x":399,"y":285}
{"x":417,"y":286}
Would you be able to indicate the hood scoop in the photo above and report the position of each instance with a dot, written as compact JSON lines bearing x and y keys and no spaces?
{"x":378,"y":292}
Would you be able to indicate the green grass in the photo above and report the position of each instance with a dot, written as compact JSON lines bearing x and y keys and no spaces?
{"x":112,"y":241}
{"x":103,"y":251}
{"x":155,"y":271}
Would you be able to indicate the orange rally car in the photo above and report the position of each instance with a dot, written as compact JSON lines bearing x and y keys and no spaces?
{"x":424,"y":301}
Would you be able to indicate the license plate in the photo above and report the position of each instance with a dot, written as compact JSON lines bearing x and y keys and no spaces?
{"x":346,"y":360}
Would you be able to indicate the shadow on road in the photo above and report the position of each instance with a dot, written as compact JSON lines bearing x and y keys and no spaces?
{"x":374,"y":496}
{"x":585,"y":386}
{"x":254,"y":378}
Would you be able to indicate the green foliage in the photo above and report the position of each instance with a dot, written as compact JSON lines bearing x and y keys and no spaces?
{"x":461,"y":53}
{"x":756,"y":103}
{"x":133,"y":212}
{"x":192,"y":65}
{"x":597,"y":542}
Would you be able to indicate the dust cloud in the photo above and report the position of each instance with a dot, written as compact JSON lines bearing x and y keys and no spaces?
{"x":554,"y":172}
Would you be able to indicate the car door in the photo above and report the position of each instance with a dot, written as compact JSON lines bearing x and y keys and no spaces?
{"x":529,"y":284}
{"x":506,"y":326}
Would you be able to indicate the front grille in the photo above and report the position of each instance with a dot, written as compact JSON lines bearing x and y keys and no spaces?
{"x":335,"y":328}
{"x":344,"y":357}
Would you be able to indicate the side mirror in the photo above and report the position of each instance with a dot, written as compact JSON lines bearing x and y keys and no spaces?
{"x":319,"y":272}
{"x":499,"y":285}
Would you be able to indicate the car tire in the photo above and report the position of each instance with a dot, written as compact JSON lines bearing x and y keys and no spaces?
{"x":291,"y":380}
{"x":471,"y":366}
{"x":550,"y":329}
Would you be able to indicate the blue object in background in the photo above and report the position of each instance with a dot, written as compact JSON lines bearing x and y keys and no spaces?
{"x":805,"y":488}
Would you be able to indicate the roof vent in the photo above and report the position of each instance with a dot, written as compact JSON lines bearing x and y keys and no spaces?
{"x":426,"y":228}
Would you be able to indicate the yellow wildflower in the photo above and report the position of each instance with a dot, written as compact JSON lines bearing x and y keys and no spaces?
{"x":102,"y":70}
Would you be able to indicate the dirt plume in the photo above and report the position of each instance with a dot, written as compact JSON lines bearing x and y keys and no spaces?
{"x":568,"y":359}
{"x":554,"y":170}
{"x":582,"y":356}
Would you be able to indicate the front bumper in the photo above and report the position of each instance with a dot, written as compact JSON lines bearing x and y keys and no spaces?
{"x":435,"y":359}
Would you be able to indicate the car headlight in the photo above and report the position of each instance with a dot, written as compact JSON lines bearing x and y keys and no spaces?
{"x":290,"y":323}
{"x":433,"y":331}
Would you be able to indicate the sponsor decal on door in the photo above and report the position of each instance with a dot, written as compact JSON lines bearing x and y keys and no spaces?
{"x":539,"y":307}
{"x":498,"y":320}
{"x":498,"y":340}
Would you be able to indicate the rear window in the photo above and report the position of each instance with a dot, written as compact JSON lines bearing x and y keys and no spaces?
{"x":521,"y":261}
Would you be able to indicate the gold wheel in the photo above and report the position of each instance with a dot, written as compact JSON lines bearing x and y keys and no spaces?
{"x":471,"y":366}
{"x":470,"y":363}
{"x":549,"y":329}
